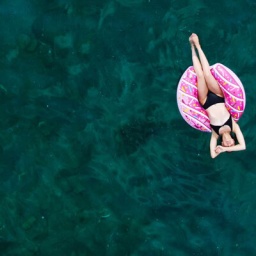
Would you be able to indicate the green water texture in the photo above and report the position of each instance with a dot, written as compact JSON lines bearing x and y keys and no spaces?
{"x":95,"y":158}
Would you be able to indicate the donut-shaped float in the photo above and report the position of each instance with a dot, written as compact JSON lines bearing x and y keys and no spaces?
{"x":187,"y":96}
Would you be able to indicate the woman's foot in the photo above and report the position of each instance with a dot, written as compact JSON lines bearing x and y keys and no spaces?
{"x":191,"y":41}
{"x":194,"y":40}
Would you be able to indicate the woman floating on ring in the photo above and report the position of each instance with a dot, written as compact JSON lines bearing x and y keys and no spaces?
{"x":211,"y":98}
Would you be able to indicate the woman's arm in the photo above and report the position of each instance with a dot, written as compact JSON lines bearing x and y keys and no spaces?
{"x":240,"y":138}
{"x":213,"y":144}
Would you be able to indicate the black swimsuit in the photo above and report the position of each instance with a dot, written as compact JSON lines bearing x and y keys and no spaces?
{"x":213,"y":99}
{"x":216,"y":128}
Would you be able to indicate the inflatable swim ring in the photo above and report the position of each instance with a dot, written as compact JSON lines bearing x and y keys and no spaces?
{"x":187,"y":96}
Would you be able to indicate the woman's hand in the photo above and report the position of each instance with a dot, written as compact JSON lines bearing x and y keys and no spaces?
{"x":219,"y":149}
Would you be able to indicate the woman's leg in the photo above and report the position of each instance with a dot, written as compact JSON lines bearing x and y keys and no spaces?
{"x":201,"y":84}
{"x":210,"y":80}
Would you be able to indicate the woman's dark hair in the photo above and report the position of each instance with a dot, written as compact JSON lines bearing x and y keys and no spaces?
{"x":233,"y":135}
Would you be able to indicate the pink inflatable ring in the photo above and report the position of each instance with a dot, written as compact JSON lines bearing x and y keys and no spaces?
{"x":187,"y":96}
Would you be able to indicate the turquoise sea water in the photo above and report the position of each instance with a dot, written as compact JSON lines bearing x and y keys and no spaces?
{"x":95,"y":158}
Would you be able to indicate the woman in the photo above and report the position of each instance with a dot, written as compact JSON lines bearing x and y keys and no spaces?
{"x":211,"y":98}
